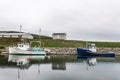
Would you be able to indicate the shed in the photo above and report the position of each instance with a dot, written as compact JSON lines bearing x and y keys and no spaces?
{"x":15,"y":35}
{"x":59,"y":36}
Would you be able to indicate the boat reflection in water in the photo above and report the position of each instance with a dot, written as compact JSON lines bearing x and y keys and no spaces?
{"x":92,"y":61}
{"x":21,"y":61}
{"x":24,"y":62}
{"x":57,"y":67}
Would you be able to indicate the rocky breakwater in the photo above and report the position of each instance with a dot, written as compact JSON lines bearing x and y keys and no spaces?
{"x":3,"y":51}
{"x":105,"y":50}
{"x":60,"y":51}
{"x":65,"y":51}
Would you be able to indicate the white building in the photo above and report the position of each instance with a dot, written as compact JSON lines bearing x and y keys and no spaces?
{"x":15,"y":35}
{"x":59,"y":36}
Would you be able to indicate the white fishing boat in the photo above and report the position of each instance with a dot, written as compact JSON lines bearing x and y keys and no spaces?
{"x":25,"y":48}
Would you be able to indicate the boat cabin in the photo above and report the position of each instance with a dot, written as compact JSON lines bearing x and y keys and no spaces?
{"x":23,"y":46}
{"x":91,"y":47}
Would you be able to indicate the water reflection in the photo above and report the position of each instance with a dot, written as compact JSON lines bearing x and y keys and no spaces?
{"x":23,"y":62}
{"x":58,"y":61}
{"x":60,"y":66}
{"x":92,"y":61}
{"x":89,"y":61}
{"x":54,"y":67}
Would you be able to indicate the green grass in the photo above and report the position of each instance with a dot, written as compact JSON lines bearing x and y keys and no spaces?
{"x":73,"y":43}
{"x":107,"y":44}
{"x":48,"y":42}
{"x":62,"y":43}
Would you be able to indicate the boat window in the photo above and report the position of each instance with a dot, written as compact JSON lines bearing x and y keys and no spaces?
{"x":20,"y":45}
{"x":91,"y":46}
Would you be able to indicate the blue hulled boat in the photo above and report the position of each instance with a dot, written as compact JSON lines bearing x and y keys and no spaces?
{"x":91,"y":51}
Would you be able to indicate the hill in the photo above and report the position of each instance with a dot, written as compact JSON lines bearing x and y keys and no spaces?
{"x":49,"y":42}
{"x":5,"y":42}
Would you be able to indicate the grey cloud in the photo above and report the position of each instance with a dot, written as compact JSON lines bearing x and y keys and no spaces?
{"x":80,"y":19}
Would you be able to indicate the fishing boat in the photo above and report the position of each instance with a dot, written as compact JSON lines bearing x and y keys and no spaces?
{"x":90,"y":50}
{"x":26,"y":49}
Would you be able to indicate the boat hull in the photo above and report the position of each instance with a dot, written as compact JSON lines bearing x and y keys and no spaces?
{"x":85,"y":52}
{"x":16,"y":51}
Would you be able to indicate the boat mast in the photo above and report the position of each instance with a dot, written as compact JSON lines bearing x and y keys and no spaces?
{"x":40,"y":36}
{"x":20,"y":28}
{"x":24,"y":39}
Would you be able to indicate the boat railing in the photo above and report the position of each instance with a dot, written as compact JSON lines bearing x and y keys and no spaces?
{"x":35,"y":42}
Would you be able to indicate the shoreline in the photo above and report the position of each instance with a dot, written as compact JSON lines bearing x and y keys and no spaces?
{"x":70,"y":51}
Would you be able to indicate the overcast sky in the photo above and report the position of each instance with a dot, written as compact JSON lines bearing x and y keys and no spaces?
{"x":97,"y":20}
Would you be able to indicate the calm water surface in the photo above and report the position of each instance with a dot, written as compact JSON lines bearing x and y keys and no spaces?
{"x":57,"y":67}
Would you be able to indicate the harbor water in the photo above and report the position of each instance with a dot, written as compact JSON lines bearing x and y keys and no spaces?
{"x":58,"y":67}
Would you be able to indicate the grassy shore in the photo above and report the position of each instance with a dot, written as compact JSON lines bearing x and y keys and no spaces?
{"x":48,"y":42}
{"x":74,"y":43}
